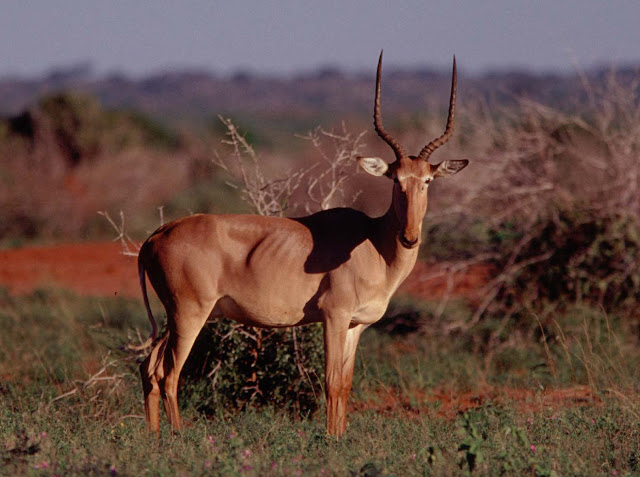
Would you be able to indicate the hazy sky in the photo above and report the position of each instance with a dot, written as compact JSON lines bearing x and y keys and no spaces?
{"x":139,"y":37}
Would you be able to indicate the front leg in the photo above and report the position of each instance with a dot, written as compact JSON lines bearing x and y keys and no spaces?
{"x":349,"y":359}
{"x":335,"y":334}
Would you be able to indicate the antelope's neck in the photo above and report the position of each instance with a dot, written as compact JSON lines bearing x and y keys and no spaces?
{"x":399,"y":260}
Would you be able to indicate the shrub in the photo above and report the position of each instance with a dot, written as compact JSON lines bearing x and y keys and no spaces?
{"x":235,"y":366}
{"x":571,"y":256}
{"x":83,"y":129}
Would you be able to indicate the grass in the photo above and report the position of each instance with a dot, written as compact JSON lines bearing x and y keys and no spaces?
{"x":70,"y":404}
{"x":570,"y":441}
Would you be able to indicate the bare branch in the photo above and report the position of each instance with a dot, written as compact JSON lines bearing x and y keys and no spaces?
{"x":324,"y":180}
{"x":326,"y":188}
{"x":129,"y":246}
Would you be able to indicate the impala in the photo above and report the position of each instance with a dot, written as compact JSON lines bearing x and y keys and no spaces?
{"x":339,"y":267}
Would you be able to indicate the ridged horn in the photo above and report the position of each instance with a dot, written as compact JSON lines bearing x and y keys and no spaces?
{"x":377,"y":118}
{"x":436,"y":143}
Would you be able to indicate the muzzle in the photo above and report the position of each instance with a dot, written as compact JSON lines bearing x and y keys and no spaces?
{"x":406,"y":243}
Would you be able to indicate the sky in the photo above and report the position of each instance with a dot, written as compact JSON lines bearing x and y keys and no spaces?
{"x":138,"y":38}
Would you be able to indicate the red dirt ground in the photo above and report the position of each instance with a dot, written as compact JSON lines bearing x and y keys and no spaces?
{"x":449,"y":404}
{"x":88,"y":269}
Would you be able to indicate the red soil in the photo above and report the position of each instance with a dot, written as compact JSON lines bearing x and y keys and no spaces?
{"x":449,"y":404}
{"x":87,"y":268}
{"x":437,"y":281}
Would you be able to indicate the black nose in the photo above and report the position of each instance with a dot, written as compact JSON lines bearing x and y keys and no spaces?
{"x":407,"y":243}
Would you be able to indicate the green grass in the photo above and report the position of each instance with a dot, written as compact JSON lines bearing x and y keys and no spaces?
{"x":70,"y":404}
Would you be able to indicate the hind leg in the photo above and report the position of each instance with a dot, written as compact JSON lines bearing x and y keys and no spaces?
{"x":184,"y":327}
{"x":150,"y":386}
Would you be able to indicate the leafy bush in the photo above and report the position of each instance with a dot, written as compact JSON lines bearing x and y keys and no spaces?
{"x":575,"y":256}
{"x":235,"y":366}
{"x":83,"y":129}
{"x":76,"y":122}
{"x":458,"y":237}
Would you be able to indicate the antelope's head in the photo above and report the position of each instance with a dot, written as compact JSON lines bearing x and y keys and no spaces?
{"x":411,"y":174}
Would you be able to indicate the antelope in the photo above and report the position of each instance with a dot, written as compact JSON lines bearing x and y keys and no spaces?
{"x":338,"y":266}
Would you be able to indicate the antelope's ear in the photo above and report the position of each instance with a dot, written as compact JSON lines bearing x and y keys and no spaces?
{"x":373,"y":165}
{"x":449,"y":168}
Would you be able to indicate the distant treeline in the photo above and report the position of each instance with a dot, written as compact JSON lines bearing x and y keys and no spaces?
{"x":192,"y":94}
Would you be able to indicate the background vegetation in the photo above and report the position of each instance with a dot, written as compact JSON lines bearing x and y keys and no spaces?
{"x":536,"y":372}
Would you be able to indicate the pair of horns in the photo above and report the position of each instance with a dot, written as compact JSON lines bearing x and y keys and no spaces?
{"x":433,"y":145}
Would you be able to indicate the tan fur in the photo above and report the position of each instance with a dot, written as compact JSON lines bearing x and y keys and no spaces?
{"x":339,"y":267}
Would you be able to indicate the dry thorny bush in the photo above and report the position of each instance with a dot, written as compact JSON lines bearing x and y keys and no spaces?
{"x":97,"y":393}
{"x":560,"y":194}
{"x":319,"y":186}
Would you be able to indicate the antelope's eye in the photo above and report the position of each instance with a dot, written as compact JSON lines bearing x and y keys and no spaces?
{"x":427,"y":180}
{"x":395,"y":179}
